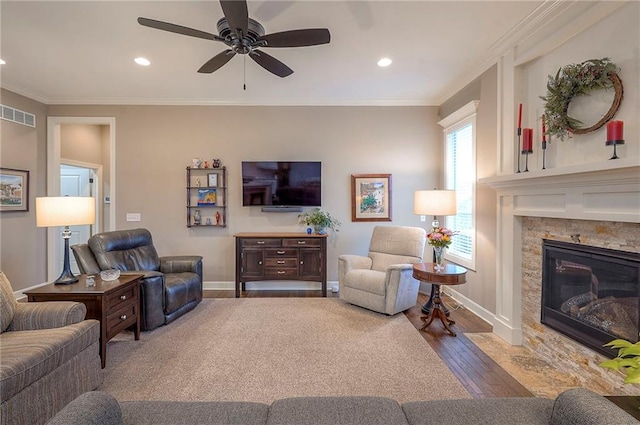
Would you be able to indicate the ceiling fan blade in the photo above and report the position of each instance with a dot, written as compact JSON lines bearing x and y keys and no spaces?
{"x":297,"y":38}
{"x":237,"y":15}
{"x":178,"y":29}
{"x":271,"y":64}
{"x":216,"y":62}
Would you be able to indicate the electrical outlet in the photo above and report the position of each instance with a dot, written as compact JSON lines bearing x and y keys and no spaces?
{"x":134,"y":217}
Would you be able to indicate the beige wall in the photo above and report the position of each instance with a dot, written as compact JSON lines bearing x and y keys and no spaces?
{"x":481,"y":282}
{"x":154,"y":144}
{"x":81,"y":142}
{"x":23,"y":248}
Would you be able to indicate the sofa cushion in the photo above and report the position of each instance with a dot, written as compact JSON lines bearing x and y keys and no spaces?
{"x":579,"y":406}
{"x":366,"y":280}
{"x":496,"y":411}
{"x":7,"y":302}
{"x":336,"y":411}
{"x":90,"y":408}
{"x":181,"y":289}
{"x":194,"y":412}
{"x":29,"y":355}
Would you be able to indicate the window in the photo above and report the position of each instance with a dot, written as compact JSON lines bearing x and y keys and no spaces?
{"x":460,"y":175}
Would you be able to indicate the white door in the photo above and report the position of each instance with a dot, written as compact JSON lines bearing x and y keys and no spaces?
{"x":76,"y":181}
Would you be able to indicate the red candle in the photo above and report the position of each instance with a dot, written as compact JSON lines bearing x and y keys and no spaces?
{"x":520,"y":117}
{"x":527,"y":140}
{"x":614,"y":131}
{"x":544,"y":130}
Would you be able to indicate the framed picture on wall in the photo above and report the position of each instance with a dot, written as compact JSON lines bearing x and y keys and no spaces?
{"x":14,"y":190}
{"x":371,"y":197}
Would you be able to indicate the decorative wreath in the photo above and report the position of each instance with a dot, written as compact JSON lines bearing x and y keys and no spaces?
{"x":579,"y":79}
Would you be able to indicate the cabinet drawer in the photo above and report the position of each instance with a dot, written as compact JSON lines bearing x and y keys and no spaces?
{"x":280,"y":272}
{"x":282,"y":262}
{"x":302,"y":242}
{"x":281,"y":252}
{"x":122,"y":297}
{"x":252,"y":243}
{"x":121,"y":319}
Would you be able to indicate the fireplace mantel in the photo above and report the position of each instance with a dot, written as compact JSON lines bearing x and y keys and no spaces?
{"x":608,"y":190}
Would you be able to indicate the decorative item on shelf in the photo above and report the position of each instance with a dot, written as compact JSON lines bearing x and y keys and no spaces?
{"x":217,"y":163}
{"x":574,"y":80}
{"x":90,"y":280}
{"x":320,"y":220}
{"x":206,"y":197}
{"x":615,"y":136}
{"x":519,"y":133}
{"x":439,"y":238}
{"x":196,"y":163}
{"x":544,"y":144}
{"x":206,"y":164}
{"x":197,"y":218}
{"x":212,"y":179}
{"x":217,"y":218}
{"x":197,"y":181}
{"x":527,"y":146}
{"x":58,"y":211}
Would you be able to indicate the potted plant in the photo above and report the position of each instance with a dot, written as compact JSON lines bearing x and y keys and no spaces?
{"x":319,"y":220}
{"x":627,"y":361}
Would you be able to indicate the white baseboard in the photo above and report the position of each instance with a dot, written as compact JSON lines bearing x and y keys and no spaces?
{"x":472,"y":306}
{"x":268,"y":285}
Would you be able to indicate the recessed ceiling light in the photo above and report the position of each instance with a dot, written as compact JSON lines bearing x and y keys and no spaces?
{"x":2,"y":62}
{"x":142,"y":61}
{"x":384,"y":62}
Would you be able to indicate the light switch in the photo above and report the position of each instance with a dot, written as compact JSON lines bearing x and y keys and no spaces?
{"x":134,"y":217}
{"x":423,"y":218}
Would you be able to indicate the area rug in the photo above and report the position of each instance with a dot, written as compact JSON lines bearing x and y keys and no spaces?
{"x":535,"y":374}
{"x":263,"y":349}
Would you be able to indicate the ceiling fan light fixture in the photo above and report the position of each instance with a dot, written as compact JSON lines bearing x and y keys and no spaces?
{"x":384,"y":62}
{"x":142,"y":61}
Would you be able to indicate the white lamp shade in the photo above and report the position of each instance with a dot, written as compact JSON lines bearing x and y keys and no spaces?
{"x":434,"y":202}
{"x":65,"y":211}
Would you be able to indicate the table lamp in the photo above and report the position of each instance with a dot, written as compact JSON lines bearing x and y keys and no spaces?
{"x":53,"y":211}
{"x":435,"y":203}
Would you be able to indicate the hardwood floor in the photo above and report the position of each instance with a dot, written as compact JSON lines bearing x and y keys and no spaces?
{"x":479,"y":374}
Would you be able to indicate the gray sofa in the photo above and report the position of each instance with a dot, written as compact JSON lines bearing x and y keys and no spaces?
{"x":572,"y":407}
{"x":171,"y":285}
{"x":48,"y":357}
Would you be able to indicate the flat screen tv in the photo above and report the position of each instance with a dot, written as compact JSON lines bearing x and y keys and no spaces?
{"x":282,"y":183}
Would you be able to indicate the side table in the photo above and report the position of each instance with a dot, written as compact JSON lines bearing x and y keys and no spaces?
{"x":116,"y":304}
{"x":451,"y":275}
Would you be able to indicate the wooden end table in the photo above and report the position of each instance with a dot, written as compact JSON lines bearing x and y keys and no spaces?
{"x":116,"y":304}
{"x":451,"y":275}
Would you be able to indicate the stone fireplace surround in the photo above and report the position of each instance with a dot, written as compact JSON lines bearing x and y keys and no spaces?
{"x":601,"y":202}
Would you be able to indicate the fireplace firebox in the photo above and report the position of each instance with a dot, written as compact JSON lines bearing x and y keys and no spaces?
{"x":591,"y":294}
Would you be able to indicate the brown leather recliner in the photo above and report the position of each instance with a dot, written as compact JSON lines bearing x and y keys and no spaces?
{"x":171,"y":285}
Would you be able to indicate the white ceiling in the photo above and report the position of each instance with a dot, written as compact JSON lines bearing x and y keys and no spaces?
{"x":68,"y":52}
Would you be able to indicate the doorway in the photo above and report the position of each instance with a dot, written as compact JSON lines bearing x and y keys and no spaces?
{"x":58,"y":185}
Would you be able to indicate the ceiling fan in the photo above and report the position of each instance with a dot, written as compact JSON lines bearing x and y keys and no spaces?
{"x":245,"y":36}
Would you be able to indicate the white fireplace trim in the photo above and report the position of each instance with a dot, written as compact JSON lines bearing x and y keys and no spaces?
{"x":607,"y":191}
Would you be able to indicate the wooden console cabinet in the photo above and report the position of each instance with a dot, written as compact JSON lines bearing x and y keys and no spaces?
{"x":280,"y":256}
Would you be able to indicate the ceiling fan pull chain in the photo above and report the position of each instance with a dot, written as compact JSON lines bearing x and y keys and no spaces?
{"x":244,"y":72}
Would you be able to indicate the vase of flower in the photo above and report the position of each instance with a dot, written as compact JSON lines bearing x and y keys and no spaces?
{"x":439,"y":238}
{"x":439,"y":252}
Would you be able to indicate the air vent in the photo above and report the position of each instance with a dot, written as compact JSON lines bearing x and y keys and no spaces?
{"x":18,"y":116}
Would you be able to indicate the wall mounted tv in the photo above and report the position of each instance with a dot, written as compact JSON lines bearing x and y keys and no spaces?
{"x":281,"y":185}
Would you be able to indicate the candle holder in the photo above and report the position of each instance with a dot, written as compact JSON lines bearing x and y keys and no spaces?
{"x":526,"y":153}
{"x":614,"y":143}
{"x":519,"y":134}
{"x":544,"y":154}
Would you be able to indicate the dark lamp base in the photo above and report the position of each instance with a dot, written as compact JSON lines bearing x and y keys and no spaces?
{"x":66,"y":279}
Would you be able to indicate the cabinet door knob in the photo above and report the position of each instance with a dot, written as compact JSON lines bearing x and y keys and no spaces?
{"x":301,"y":262}
{"x":123,"y":317}
{"x":281,"y":252}
{"x":123,"y":297}
{"x":260,"y":262}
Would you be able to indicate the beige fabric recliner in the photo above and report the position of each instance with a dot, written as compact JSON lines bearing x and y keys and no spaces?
{"x":383,"y":281}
